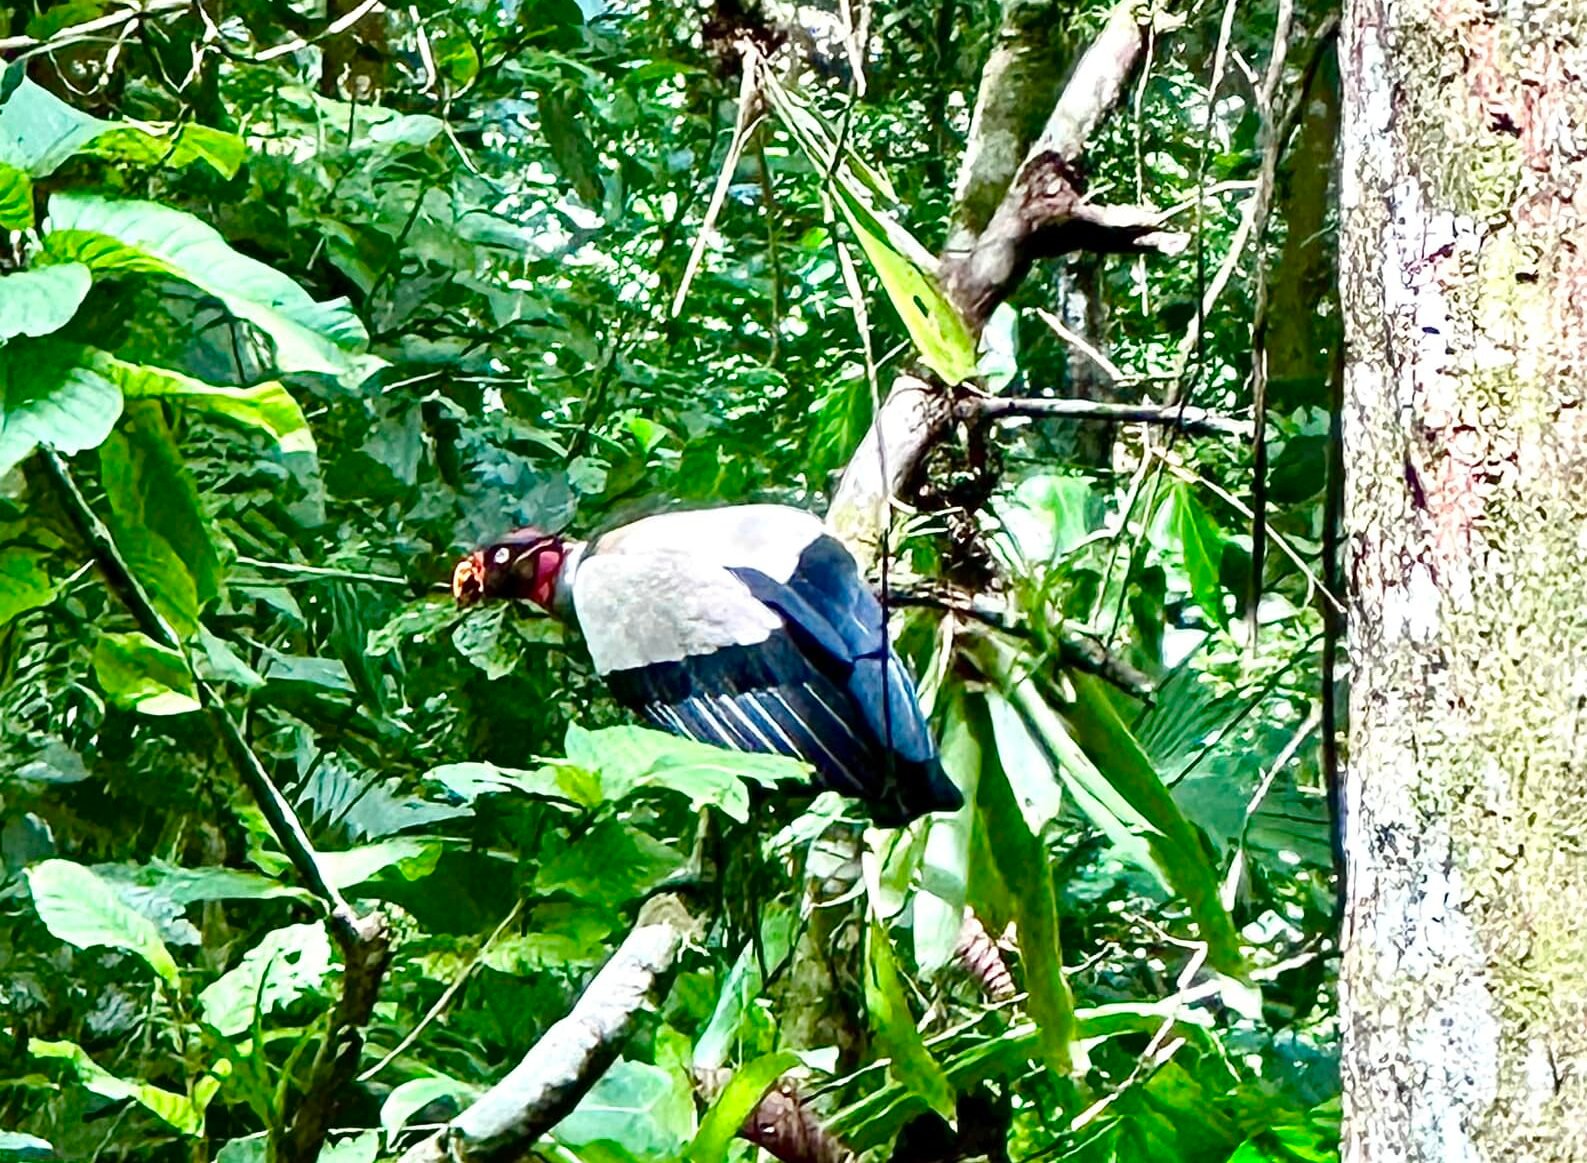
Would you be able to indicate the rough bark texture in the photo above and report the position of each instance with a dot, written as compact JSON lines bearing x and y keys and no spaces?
{"x":1464,"y":275}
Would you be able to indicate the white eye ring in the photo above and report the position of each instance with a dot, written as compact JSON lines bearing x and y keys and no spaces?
{"x":503,"y":556}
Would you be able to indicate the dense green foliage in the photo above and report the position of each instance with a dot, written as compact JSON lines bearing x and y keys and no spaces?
{"x":302,"y":342}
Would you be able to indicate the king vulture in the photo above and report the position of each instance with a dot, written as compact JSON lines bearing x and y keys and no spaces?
{"x":746,"y":627}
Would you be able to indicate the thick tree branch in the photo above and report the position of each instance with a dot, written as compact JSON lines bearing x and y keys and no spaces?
{"x":364,"y":941}
{"x":1019,"y":87}
{"x":558,"y":1070}
{"x":1042,"y":213}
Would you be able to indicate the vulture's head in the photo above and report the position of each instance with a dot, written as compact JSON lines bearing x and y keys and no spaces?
{"x":524,"y":564}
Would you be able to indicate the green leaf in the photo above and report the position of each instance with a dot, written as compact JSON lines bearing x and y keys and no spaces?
{"x":177,"y":148}
{"x":894,"y":1026}
{"x":156,"y":517}
{"x":183,"y":1113}
{"x":287,"y":964}
{"x":39,"y":131}
{"x":82,"y":909}
{"x":629,"y":759}
{"x":18,"y":1145}
{"x":1180,"y":852}
{"x":42,"y":301}
{"x":939,"y":334}
{"x":24,"y":583}
{"x":1022,"y":864}
{"x":137,"y":672}
{"x":49,"y":397}
{"x":16,"y":199}
{"x":945,"y":871}
{"x":412,"y":858}
{"x":612,"y":863}
{"x":1201,"y":544}
{"x":414,"y":1095}
{"x":268,"y":407}
{"x":130,"y":237}
{"x":642,"y":1109}
{"x":736,"y":1102}
{"x":558,"y":782}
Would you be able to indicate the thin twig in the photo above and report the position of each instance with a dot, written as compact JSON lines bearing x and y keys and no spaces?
{"x":340,"y":24}
{"x":1198,"y":420}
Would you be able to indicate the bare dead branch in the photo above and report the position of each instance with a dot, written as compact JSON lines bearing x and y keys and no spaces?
{"x":1197,"y":420}
{"x":558,"y":1069}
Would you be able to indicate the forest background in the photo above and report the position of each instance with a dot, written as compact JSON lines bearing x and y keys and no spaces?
{"x":300,"y":304}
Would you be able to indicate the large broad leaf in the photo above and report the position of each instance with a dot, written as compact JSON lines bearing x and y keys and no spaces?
{"x":49,"y":396}
{"x":42,"y":301}
{"x":184,"y":1113}
{"x":284,"y":966}
{"x":19,"y":1145}
{"x":642,"y":1109}
{"x":267,"y":408}
{"x":82,"y":909}
{"x":138,"y":673}
{"x":631,"y":758}
{"x":738,"y":1099}
{"x":128,"y":237}
{"x":945,"y":868}
{"x":156,"y":518}
{"x":894,"y":1026}
{"x":414,"y":1095}
{"x":39,"y":131}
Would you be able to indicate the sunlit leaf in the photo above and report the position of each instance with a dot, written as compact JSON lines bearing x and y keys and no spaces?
{"x":181,"y":1112}
{"x":287,"y":964}
{"x":18,"y":1145}
{"x":49,"y":397}
{"x":268,"y":408}
{"x":82,"y":909}
{"x":16,"y":199}
{"x":138,"y":673}
{"x":42,"y":301}
{"x":24,"y":582}
{"x":127,"y":237}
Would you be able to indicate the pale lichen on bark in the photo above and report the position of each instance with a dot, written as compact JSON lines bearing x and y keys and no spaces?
{"x":1463,"y":282}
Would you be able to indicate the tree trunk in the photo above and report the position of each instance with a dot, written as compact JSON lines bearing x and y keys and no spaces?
{"x":1464,"y":284}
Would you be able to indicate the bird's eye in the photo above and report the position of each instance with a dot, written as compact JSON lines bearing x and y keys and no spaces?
{"x":503,"y":556}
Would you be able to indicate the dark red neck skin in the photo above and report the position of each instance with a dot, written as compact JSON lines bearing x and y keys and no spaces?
{"x":522,"y":566}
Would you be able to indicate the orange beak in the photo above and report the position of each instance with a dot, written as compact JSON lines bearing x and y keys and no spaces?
{"x":468,"y":579}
